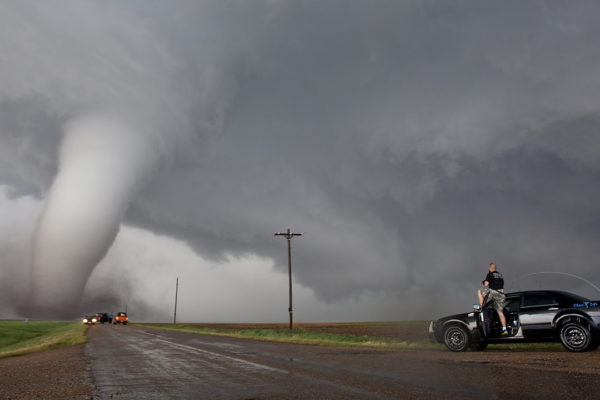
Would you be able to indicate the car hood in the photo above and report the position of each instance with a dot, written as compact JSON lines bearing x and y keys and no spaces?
{"x":461,"y":316}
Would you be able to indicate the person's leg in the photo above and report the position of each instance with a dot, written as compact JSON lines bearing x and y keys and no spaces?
{"x":498,"y":303}
{"x":480,"y":297}
{"x":502,"y":318}
{"x":502,"y":302}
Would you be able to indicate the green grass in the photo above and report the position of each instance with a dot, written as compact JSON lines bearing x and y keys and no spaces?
{"x":305,"y":336}
{"x":300,"y":336}
{"x":17,"y":338}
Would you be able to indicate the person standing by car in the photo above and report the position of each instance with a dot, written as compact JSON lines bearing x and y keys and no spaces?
{"x":494,"y":290}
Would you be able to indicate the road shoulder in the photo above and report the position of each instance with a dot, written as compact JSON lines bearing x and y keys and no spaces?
{"x":55,"y":374}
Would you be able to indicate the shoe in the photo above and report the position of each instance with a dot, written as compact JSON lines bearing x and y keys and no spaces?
{"x":504,"y":332}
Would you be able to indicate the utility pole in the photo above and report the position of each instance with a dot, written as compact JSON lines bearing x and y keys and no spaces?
{"x":176,"y":290}
{"x":289,"y":235}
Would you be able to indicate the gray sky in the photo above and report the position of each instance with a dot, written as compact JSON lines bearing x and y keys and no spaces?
{"x":412,"y":143}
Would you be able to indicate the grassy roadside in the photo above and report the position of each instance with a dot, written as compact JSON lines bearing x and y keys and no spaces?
{"x":383,"y":335}
{"x":299,"y":336}
{"x":18,"y":338}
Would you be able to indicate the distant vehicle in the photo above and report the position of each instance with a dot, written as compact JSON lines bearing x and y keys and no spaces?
{"x":89,"y":320}
{"x":121,"y":318}
{"x":104,"y":317}
{"x":531,"y":316}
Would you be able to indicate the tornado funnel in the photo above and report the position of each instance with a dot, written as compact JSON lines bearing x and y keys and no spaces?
{"x":102,"y":164}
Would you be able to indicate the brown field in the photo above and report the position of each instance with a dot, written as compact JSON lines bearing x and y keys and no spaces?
{"x":401,"y":331}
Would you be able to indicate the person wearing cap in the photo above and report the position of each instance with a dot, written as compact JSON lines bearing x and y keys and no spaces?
{"x":494,"y":290}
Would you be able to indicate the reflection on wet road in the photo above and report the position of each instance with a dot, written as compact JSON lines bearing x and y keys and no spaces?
{"x":134,"y":363}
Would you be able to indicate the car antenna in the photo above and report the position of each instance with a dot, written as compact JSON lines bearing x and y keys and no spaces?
{"x":562,"y":273}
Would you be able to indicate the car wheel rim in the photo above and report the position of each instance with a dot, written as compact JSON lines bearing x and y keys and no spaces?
{"x":455,"y":338}
{"x":575,"y":337}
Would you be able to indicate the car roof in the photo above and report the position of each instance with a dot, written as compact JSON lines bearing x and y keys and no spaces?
{"x":560,"y":293}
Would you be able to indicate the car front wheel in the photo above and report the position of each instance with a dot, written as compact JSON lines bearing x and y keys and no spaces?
{"x":456,"y":338}
{"x":576,"y":336}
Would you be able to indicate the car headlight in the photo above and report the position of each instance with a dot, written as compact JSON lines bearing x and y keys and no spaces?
{"x":94,"y":320}
{"x":85,"y":321}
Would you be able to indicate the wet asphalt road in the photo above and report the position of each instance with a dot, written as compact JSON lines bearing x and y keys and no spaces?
{"x":135,"y":363}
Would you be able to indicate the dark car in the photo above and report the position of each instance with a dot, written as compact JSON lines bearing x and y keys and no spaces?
{"x":104,"y":317}
{"x":531,"y":316}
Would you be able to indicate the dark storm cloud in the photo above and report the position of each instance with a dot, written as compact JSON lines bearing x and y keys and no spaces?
{"x":413,"y":142}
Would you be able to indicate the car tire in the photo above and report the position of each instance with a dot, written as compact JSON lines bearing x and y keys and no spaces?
{"x":456,"y":338}
{"x":575,"y":336}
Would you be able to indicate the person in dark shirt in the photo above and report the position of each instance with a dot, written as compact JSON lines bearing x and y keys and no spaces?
{"x":494,"y":290}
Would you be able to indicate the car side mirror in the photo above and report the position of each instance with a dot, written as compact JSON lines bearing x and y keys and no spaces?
{"x":476,"y":307}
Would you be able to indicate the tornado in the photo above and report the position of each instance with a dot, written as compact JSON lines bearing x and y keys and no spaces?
{"x":103,"y":162}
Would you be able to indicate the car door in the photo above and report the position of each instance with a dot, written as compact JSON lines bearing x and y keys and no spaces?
{"x":512,"y":306}
{"x":536,"y":314}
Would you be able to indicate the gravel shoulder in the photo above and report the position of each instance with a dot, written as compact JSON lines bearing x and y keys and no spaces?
{"x":54,"y":374}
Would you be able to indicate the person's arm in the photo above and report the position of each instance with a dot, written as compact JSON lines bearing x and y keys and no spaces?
{"x":486,"y":281}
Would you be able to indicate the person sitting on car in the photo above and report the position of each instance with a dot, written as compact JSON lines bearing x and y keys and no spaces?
{"x":494,"y":290}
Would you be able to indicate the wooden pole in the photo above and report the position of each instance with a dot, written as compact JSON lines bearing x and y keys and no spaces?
{"x":176,"y":290}
{"x":289,"y":235}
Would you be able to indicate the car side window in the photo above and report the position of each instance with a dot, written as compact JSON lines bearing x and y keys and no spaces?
{"x":512,"y":305}
{"x":539,"y":300}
